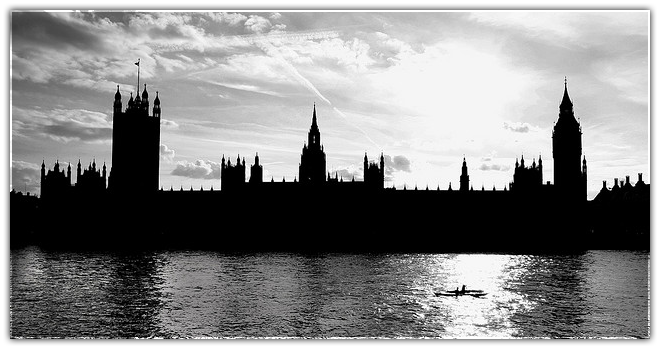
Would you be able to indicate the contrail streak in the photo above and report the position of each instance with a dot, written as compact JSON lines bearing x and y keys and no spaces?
{"x":273,"y":52}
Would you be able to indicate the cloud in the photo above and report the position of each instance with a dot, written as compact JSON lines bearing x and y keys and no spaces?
{"x":63,"y":125}
{"x":25,"y":176}
{"x":397,"y":163}
{"x":200,"y":169}
{"x":521,"y":127}
{"x":233,"y":19}
{"x":494,"y":167}
{"x":166,"y":154}
{"x":347,"y":173}
{"x":257,"y":24}
{"x":168,"y":124}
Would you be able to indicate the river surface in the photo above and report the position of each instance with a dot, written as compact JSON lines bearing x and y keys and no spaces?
{"x":200,"y":294}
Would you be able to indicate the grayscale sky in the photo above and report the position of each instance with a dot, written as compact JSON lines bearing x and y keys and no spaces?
{"x":424,"y":88}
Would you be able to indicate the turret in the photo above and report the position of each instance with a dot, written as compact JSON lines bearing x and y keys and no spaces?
{"x":78,"y":171}
{"x":68,"y":174}
{"x":256,"y":171}
{"x":104,"y":175}
{"x":145,"y":95}
{"x":156,"y":110}
{"x":117,"y":104}
{"x":382,"y":165}
{"x":465,"y":179}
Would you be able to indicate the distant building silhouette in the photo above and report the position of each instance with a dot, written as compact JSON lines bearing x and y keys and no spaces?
{"x":312,"y":171}
{"x":374,"y":175}
{"x":569,"y":178}
{"x":465,"y":179}
{"x":527,"y":178}
{"x":133,"y":182}
{"x":91,"y":179}
{"x":256,"y":171}
{"x":55,"y":183}
{"x":312,"y":160}
{"x":232,"y":177}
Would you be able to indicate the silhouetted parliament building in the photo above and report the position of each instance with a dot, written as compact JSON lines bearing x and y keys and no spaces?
{"x":319,"y":212}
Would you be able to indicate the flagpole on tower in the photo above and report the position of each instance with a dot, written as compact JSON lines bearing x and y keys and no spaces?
{"x":138,"y":84}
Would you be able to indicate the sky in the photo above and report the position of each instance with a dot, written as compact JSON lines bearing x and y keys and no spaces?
{"x":425,"y":88}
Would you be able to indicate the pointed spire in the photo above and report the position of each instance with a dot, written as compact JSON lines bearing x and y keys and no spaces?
{"x":117,"y":95}
{"x":314,"y":124}
{"x":566,"y":103}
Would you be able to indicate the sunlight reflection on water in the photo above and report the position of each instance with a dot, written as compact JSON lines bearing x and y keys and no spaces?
{"x":207,"y":294}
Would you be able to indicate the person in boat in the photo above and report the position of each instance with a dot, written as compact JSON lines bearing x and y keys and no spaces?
{"x":463,"y":290}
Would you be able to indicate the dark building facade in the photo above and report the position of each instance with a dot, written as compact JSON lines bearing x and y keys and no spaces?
{"x":374,"y":175}
{"x":91,"y":179}
{"x":232,"y":177}
{"x":135,"y":144}
{"x":256,"y":171}
{"x":569,"y":177}
{"x":55,"y":183}
{"x":312,"y":171}
{"x":465,"y":178}
{"x":527,"y":178}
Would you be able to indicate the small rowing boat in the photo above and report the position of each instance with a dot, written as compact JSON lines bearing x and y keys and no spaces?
{"x":456,"y":293}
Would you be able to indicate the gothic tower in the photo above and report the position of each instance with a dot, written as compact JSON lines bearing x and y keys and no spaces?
{"x":465,"y":179}
{"x":374,"y":176}
{"x":256,"y":171}
{"x":312,"y":160}
{"x":567,"y":152}
{"x":135,"y":144}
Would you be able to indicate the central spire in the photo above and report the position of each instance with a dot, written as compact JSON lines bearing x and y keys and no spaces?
{"x":314,"y":125}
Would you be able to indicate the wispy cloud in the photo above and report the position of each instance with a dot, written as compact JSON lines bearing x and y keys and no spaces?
{"x":62,"y":125}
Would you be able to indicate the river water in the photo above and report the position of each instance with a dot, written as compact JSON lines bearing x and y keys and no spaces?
{"x":200,"y":294}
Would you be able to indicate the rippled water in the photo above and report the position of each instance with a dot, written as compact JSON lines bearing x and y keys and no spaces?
{"x":206,"y":294}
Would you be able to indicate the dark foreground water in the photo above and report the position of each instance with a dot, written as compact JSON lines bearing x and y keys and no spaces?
{"x":207,"y":294}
